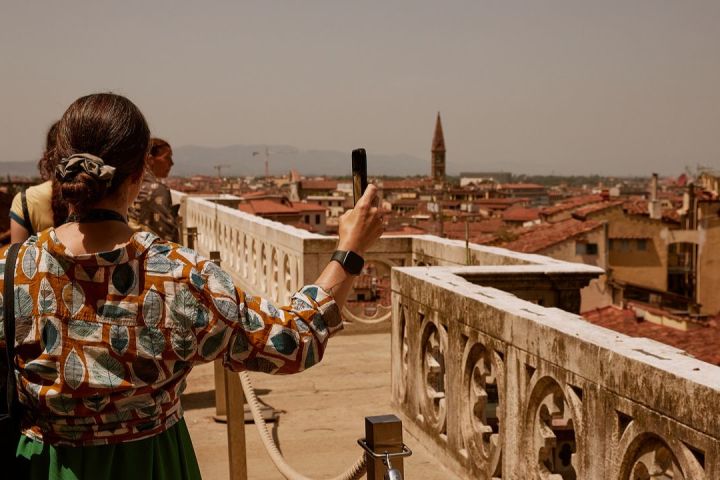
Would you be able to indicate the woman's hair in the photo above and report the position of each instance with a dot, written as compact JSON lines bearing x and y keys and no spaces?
{"x":47,"y":163}
{"x":59,"y":207}
{"x":157,"y":146}
{"x":108,"y":126}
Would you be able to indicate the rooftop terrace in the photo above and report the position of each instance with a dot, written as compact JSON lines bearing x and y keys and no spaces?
{"x":493,"y":371}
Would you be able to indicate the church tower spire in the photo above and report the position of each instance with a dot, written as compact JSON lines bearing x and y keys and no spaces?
{"x":438,"y":152}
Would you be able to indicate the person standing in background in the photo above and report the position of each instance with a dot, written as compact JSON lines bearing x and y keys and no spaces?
{"x":40,"y":206}
{"x":153,"y":210}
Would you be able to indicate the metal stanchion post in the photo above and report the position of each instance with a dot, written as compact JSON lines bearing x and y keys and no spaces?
{"x":384,"y":437}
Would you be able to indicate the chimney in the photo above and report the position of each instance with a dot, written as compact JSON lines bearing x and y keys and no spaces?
{"x":654,"y":207}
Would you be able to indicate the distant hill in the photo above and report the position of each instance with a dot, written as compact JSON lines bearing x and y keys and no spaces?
{"x":20,"y":169}
{"x":198,"y":160}
{"x":192,"y":159}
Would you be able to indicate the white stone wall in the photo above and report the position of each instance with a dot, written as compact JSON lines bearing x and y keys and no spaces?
{"x":502,"y":388}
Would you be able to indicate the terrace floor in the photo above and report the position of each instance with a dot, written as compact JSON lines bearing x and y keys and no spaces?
{"x":323,"y":411}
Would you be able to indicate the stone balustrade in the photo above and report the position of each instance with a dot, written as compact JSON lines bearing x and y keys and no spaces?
{"x":492,"y":368}
{"x":501,"y":387}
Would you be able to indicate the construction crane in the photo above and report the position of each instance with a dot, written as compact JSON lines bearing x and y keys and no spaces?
{"x":267,"y":153}
{"x":267,"y":161}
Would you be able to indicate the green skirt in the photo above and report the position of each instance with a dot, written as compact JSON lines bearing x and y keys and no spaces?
{"x":169,"y":455}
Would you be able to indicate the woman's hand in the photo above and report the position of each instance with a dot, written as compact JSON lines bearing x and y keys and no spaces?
{"x":360,"y":227}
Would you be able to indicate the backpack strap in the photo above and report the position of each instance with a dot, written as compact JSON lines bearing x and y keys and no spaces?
{"x":9,"y":324}
{"x":26,"y":213}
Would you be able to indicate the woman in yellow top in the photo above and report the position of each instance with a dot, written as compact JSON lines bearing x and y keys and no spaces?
{"x":40,"y":206}
{"x":109,"y":322}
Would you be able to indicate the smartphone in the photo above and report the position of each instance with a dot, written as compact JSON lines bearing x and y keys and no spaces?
{"x":359,"y":173}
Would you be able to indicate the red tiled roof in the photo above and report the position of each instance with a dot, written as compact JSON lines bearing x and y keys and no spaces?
{"x":308,"y":207}
{"x":572,"y":202}
{"x":520,"y":214}
{"x":499,"y":203}
{"x":259,"y":193}
{"x":408,"y":184}
{"x":319,"y":184}
{"x":701,"y":341}
{"x":404,"y":230}
{"x":582,"y":213}
{"x":457,"y":229}
{"x":640,"y":207}
{"x":538,"y":238}
{"x":266,"y":207}
{"x":521,"y":186}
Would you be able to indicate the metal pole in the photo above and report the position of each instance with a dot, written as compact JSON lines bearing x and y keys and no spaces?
{"x":383,"y":434}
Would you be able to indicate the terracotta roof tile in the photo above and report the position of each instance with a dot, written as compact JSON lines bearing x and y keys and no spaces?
{"x":319,"y":184}
{"x":520,"y":214}
{"x":308,"y":207}
{"x":266,"y":207}
{"x":407,"y":184}
{"x":640,"y":207}
{"x":701,"y":342}
{"x":583,"y":212}
{"x":571,"y":203}
{"x":521,"y":186}
{"x":538,"y":238}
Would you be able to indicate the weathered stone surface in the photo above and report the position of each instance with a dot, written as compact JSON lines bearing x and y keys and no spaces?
{"x":544,"y":390}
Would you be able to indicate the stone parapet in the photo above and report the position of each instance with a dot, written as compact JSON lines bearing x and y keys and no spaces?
{"x":505,"y":388}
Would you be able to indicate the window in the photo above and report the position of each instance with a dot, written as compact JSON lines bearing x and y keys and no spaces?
{"x":586,"y":249}
{"x":307,"y":219}
{"x":620,"y":245}
{"x":641,"y":244}
{"x":317,"y":219}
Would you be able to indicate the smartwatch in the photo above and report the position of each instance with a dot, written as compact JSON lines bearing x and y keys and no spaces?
{"x":350,"y":261}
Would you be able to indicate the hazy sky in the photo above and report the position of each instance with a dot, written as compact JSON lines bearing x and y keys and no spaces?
{"x":601,"y":86}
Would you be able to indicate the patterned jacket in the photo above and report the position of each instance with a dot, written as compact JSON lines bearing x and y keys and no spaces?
{"x":104,"y":342}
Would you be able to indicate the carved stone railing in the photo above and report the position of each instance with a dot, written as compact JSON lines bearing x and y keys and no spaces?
{"x":501,"y":387}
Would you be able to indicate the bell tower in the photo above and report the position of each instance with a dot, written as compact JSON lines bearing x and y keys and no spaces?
{"x":438,"y":153}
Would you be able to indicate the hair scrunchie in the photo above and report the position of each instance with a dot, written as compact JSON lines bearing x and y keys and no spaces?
{"x":94,"y":166}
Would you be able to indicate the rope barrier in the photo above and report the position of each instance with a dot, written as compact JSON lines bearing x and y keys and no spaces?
{"x":385,"y":317}
{"x":355,"y":472}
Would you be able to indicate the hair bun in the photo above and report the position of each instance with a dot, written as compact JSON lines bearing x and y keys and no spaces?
{"x":82,"y":189}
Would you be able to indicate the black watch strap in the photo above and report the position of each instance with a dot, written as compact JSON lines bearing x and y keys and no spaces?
{"x":350,"y":261}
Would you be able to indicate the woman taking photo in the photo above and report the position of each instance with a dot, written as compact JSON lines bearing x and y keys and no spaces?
{"x":110,"y":322}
